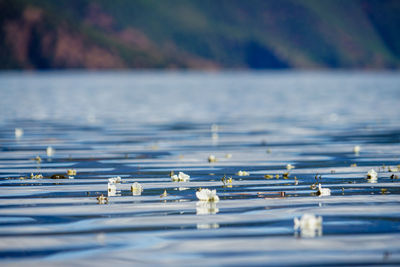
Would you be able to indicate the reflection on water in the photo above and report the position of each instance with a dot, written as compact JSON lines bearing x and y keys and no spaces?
{"x":203,"y":207}
{"x":207,"y":226}
{"x":308,"y":225}
{"x":273,"y":137}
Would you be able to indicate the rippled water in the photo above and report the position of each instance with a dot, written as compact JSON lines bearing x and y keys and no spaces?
{"x":143,"y":125}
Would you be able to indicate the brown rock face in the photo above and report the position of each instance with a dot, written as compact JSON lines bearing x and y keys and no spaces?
{"x":36,"y":46}
{"x":18,"y":34}
{"x":135,"y":38}
{"x":71,"y":51}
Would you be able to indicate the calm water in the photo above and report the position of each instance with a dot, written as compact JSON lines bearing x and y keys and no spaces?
{"x":142,"y":125}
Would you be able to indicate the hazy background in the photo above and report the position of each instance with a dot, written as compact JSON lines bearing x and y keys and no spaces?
{"x":206,"y":34}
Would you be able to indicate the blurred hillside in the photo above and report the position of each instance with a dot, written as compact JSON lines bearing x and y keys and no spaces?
{"x":201,"y":34}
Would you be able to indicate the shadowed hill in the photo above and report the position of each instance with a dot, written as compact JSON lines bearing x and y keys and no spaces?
{"x":198,"y":34}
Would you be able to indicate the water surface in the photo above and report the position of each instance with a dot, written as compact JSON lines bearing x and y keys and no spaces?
{"x":143,"y":125}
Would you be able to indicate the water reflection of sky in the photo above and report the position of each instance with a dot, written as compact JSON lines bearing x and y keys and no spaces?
{"x":141,"y":126}
{"x":173,"y":97}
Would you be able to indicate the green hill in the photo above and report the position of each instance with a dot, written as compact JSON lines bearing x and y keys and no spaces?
{"x":201,"y":34}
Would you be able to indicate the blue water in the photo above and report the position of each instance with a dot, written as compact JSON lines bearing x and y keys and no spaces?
{"x":142,"y":125}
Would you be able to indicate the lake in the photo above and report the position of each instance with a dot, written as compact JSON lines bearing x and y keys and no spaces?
{"x":262,"y":140}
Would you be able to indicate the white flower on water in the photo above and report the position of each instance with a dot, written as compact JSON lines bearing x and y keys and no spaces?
{"x":323,"y":191}
{"x":71,"y":172}
{"x":212,"y":158}
{"x":165,"y":194}
{"x":309,"y":225}
{"x":136,"y":189}
{"x":289,"y":167}
{"x":357,"y":149}
{"x":38,"y":159}
{"x":372,"y":175}
{"x":102,"y":199}
{"x":50,"y":151}
{"x":114,"y":180}
{"x":206,"y":207}
{"x":175,"y":178}
{"x":242,"y":173}
{"x":207,"y":195}
{"x":19,"y":132}
{"x":181,"y":177}
{"x":112,"y":190}
{"x":36,"y":176}
{"x":111,"y":187}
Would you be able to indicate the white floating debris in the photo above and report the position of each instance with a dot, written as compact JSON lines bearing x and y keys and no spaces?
{"x":357,"y":149}
{"x":205,"y":207}
{"x":102,"y":199}
{"x":136,"y":189}
{"x":36,"y":176}
{"x":227,"y":181}
{"x":71,"y":173}
{"x":183,"y":188}
{"x":19,"y":132}
{"x":111,"y":187}
{"x":207,"y":195}
{"x":309,"y":225}
{"x":50,"y":151}
{"x":212,"y":158}
{"x":165,"y":194}
{"x":393,"y":169}
{"x":372,"y":175}
{"x":38,"y":159}
{"x":228,"y":156}
{"x":181,"y":177}
{"x":242,"y":173}
{"x":114,"y":180}
{"x":289,"y":167}
{"x":112,"y":190}
{"x":323,"y":191}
